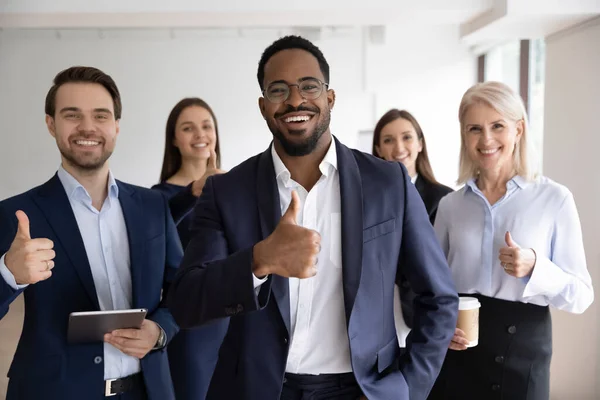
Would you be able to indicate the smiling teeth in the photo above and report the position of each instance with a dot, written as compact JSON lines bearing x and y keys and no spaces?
{"x":489,"y":151}
{"x":200,"y":145}
{"x":86,"y":142}
{"x":300,"y":118}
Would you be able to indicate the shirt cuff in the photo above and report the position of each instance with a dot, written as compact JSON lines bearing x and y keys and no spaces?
{"x":547,"y":279}
{"x":8,"y":277}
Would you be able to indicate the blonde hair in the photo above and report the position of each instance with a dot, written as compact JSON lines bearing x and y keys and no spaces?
{"x":509,"y":104}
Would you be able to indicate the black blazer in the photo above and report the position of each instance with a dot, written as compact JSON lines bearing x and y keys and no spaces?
{"x":431,"y":194}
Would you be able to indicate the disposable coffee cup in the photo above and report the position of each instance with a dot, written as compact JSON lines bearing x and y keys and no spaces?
{"x":468,"y":319}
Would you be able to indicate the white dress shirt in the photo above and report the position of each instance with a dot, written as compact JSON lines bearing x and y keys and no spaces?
{"x":106,"y":243}
{"x":539,"y":215}
{"x":319,"y":337}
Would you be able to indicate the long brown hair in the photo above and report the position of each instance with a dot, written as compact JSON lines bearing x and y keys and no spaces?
{"x":423,"y":166}
{"x":172,"y":157}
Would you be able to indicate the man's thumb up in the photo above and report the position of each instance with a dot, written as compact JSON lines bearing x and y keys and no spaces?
{"x":291,"y":214}
{"x":23,"y":232}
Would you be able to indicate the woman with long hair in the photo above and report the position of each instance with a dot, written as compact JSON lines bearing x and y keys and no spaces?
{"x":192,"y":154}
{"x":513,"y":240}
{"x":399,"y":137}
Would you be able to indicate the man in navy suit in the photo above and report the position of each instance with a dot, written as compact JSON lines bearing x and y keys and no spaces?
{"x":84,"y":241}
{"x":301,"y":246}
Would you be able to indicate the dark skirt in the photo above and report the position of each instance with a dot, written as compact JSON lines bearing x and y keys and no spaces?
{"x":511,"y":361}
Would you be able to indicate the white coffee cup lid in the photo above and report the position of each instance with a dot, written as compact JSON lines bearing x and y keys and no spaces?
{"x":468,"y":303}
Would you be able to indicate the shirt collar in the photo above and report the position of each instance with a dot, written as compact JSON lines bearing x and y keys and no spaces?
{"x":74,"y":189}
{"x":327,"y":165}
{"x":516,"y":180}
{"x":413,"y":179}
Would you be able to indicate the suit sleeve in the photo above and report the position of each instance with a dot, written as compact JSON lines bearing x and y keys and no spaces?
{"x":173,"y":254}
{"x":436,"y":302}
{"x":8,"y":230}
{"x":212,"y":283}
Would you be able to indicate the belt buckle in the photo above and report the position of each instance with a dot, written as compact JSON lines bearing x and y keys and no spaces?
{"x":108,"y":388}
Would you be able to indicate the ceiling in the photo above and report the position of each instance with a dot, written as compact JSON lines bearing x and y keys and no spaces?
{"x":480,"y":22}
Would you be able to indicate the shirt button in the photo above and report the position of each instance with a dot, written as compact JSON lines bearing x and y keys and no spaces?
{"x":512,"y":329}
{"x":499,"y":359}
{"x":285,"y":340}
{"x":495,"y":387}
{"x":97,"y":360}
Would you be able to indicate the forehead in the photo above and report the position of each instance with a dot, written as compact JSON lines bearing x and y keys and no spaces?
{"x":481,"y":112}
{"x":86,"y":96}
{"x":195,"y":114}
{"x":291,"y":65}
{"x":398,"y":126}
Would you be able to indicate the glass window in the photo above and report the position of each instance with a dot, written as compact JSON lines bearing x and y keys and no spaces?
{"x":537,"y":79}
{"x":502,"y":64}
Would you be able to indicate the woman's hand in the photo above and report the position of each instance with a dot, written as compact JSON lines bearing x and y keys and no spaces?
{"x":211,"y":169}
{"x":459,"y":340}
{"x":516,"y":261}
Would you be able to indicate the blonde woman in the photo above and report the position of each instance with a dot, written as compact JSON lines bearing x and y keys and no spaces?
{"x":513,"y":240}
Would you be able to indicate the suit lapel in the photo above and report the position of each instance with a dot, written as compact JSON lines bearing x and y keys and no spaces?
{"x":134,"y":221}
{"x":269,"y":211}
{"x":352,"y":224}
{"x":54,"y":203}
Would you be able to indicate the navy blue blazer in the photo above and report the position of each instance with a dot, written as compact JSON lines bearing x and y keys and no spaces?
{"x":385,"y":231}
{"x":45,"y":366}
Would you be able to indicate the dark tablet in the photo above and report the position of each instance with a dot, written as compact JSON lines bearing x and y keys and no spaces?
{"x":91,"y":326}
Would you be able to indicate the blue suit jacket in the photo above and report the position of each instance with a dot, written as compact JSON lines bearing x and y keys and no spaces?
{"x":385,"y":231}
{"x":45,"y":366}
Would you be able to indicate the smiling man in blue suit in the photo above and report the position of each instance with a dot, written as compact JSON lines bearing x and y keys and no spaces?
{"x":301,"y":246}
{"x":84,"y":241}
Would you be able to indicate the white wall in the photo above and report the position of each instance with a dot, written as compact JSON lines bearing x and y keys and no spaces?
{"x":427,"y":77}
{"x":154,"y":70}
{"x":571,"y":142}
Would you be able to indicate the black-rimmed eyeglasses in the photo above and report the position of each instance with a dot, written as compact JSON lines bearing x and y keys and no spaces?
{"x":310,"y":89}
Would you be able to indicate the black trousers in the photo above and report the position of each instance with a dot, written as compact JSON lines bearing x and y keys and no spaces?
{"x":317,"y":387}
{"x":511,"y":361}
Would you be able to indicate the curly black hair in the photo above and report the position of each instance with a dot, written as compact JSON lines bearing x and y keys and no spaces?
{"x":286,"y":43}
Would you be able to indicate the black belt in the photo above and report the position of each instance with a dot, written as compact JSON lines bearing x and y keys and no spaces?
{"x":113,"y":387}
{"x":319,"y":382}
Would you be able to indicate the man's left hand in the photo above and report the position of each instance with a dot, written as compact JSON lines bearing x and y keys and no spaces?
{"x":135,"y":342}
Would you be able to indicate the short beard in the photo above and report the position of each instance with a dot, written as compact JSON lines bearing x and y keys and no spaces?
{"x":309,"y":145}
{"x":89,"y":166}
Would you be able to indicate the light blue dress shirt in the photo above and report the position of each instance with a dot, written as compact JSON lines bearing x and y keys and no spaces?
{"x":540,"y":214}
{"x":104,"y":235}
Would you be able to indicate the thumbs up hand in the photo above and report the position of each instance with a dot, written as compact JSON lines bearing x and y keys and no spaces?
{"x":211,"y":169}
{"x":29,"y":260}
{"x":516,"y":261}
{"x":291,"y":250}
